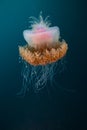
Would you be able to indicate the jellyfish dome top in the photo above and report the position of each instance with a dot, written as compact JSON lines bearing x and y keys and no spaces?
{"x":40,"y":54}
{"x":43,"y":44}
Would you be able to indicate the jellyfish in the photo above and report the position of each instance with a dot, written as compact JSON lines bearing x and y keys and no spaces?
{"x":42,"y":52}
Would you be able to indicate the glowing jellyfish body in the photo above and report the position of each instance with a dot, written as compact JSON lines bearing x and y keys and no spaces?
{"x":42,"y":51}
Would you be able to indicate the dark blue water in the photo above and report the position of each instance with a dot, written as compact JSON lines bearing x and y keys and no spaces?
{"x":63,"y":106}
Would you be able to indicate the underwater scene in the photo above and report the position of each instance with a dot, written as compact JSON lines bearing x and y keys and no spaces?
{"x":43,"y":84}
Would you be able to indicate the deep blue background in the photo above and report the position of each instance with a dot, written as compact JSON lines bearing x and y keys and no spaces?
{"x":63,"y":108}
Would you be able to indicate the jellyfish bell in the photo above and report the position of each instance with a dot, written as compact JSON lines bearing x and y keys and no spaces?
{"x":43,"y":44}
{"x":41,"y":37}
